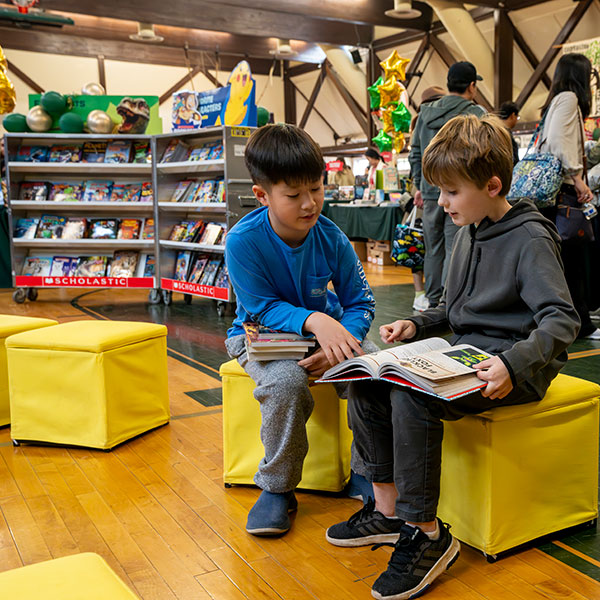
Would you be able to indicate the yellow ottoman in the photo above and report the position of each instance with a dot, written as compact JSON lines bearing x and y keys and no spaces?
{"x":517,"y":473}
{"x":9,"y":325}
{"x":327,"y":464}
{"x":70,"y":578}
{"x":88,"y":383}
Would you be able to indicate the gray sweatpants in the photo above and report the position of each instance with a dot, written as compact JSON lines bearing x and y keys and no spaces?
{"x":285,"y":405}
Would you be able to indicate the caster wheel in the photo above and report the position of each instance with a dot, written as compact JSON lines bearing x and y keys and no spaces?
{"x":167,"y":297}
{"x":154,"y":297}
{"x":491,"y":558}
{"x":221,"y":309}
{"x":32,"y":294}
{"x":227,"y":485}
{"x":16,"y":443}
{"x":187,"y":298}
{"x":20,"y":295}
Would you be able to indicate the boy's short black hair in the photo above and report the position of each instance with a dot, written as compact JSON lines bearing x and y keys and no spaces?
{"x":283,"y":152}
{"x":507,"y":109}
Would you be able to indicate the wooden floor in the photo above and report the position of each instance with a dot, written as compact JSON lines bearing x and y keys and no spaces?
{"x":155,"y":508}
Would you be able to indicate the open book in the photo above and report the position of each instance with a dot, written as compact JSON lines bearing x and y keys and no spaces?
{"x":432,"y":366}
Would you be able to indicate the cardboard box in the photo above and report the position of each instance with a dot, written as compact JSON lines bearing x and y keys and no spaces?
{"x":383,"y":246}
{"x":378,"y":257}
{"x":361,"y":249}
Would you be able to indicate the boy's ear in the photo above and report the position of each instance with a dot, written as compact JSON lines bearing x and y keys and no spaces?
{"x":494,"y":186}
{"x":261,"y":194}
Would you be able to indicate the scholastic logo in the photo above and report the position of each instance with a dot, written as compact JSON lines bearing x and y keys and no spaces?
{"x":184,"y":286}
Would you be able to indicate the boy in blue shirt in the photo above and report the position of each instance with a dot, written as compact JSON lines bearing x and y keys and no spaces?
{"x":281,"y":259}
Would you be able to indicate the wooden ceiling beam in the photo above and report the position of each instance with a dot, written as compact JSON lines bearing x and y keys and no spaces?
{"x":24,"y":77}
{"x":313,"y":97}
{"x":336,"y":135}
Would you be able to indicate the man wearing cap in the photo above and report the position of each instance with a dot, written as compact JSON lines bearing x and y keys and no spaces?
{"x":438,"y":228}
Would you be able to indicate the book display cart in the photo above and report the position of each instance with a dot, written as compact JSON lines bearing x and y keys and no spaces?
{"x":64,"y":229}
{"x":202,"y":189}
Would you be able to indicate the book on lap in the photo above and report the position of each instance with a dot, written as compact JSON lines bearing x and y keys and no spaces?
{"x":432,"y":366}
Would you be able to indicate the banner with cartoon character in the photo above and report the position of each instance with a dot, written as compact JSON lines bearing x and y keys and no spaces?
{"x":233,"y":104}
{"x":130,"y":114}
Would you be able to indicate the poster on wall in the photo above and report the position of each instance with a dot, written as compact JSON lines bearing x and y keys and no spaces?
{"x":591,"y":49}
{"x":233,"y":104}
{"x":131,"y":114}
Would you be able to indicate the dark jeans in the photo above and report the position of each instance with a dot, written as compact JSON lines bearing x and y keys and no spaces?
{"x":398,"y":434}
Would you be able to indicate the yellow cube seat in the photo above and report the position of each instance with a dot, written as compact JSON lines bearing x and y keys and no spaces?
{"x":69,"y":578}
{"x":516,"y":473}
{"x":88,"y":383}
{"x":9,"y":325}
{"x":327,"y":464}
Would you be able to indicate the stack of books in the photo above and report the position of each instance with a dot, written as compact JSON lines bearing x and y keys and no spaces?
{"x":263,"y":343}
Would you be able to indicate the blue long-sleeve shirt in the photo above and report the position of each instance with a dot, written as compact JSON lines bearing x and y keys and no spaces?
{"x":279,"y":287}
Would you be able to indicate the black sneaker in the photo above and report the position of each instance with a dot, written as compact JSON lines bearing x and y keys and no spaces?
{"x":367,"y":526}
{"x":415,"y":563}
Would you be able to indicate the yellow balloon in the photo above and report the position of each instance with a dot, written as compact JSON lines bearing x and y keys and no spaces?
{"x":3,"y":63}
{"x":394,"y":66}
{"x":399,"y":142}
{"x":389,"y":91}
{"x":388,"y":125}
{"x":8,"y":98}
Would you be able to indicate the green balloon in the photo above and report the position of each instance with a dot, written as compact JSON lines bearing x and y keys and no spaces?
{"x":374,"y":94}
{"x":383,"y":140}
{"x":53,"y":103}
{"x":71,"y":123}
{"x":262,"y":116}
{"x":401,"y":118}
{"x":15,"y":123}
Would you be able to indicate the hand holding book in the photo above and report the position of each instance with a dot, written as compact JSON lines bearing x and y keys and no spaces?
{"x":494,"y":372}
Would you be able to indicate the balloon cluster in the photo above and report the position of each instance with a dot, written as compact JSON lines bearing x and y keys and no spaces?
{"x":55,"y":107}
{"x":8,"y":97}
{"x":389,"y":101}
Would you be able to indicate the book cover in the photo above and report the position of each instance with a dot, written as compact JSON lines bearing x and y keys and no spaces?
{"x":222,"y":278}
{"x":211,"y":235}
{"x":190,"y":195}
{"x":198,"y":153}
{"x":220,"y":193}
{"x":37,"y":266}
{"x":210,"y":271}
{"x":93,"y":151}
{"x":205,"y":191}
{"x":74,"y":228}
{"x":91,"y":266}
{"x":146,"y":194}
{"x":129,"y":229}
{"x":192,"y":230}
{"x":117,"y":192}
{"x":50,"y":227}
{"x":260,"y":336}
{"x":180,"y":190}
{"x":63,"y":266}
{"x":28,"y":153}
{"x":178,"y":231}
{"x":103,"y":229}
{"x":149,"y":266}
{"x":117,"y":151}
{"x":216,"y":152}
{"x":131,"y":192}
{"x":148,"y":229}
{"x":26,"y":227}
{"x":33,"y":191}
{"x":196,"y":272}
{"x":65,"y":192}
{"x":141,"y":152}
{"x":65,"y":153}
{"x":182,"y":265}
{"x":124,"y":264}
{"x":97,"y":191}
{"x":176,"y":151}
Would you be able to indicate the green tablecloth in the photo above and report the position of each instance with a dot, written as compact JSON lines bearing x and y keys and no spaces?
{"x":374,"y":222}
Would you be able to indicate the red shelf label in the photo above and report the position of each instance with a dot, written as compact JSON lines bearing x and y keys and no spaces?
{"x":76,"y":282}
{"x":206,"y":291}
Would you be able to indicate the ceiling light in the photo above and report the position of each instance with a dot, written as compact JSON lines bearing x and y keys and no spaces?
{"x":284,"y":48}
{"x":403,"y":9}
{"x":146,"y":34}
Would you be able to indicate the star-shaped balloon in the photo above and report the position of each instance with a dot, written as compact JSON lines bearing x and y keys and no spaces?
{"x":399,"y":142}
{"x":401,"y":118}
{"x":389,"y":91}
{"x":8,"y":97}
{"x":386,"y":116}
{"x":395,"y":66}
{"x":374,"y":93}
{"x":383,"y":141}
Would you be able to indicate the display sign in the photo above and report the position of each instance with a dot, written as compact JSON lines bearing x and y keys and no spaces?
{"x":185,"y":287}
{"x":335,"y":166}
{"x":102,"y":282}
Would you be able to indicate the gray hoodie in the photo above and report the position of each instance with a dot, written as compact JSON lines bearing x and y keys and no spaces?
{"x":432,"y":117}
{"x":506,"y":293}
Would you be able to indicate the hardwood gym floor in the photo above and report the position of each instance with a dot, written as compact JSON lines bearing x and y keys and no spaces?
{"x":155,"y":508}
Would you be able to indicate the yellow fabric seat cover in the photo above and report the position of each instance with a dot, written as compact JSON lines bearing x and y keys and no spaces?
{"x":10,"y":325}
{"x":74,"y":577}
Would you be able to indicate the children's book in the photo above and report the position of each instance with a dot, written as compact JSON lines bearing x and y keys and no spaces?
{"x":33,"y":153}
{"x":205,"y":191}
{"x":103,"y":229}
{"x":264,"y":343}
{"x":129,"y":229}
{"x":63,"y":266}
{"x":37,"y":266}
{"x":178,"y":231}
{"x":190,"y":195}
{"x":198,"y":153}
{"x":74,"y":228}
{"x":25,"y":228}
{"x":50,"y":227}
{"x":33,"y":191}
{"x":124,"y":264}
{"x":216,"y":152}
{"x":196,"y":272}
{"x":210,"y":271}
{"x":97,"y":191}
{"x":66,"y":192}
{"x":432,"y":366}
{"x":176,"y":151}
{"x":146,"y":193}
{"x":148,"y":229}
{"x":222,"y":278}
{"x":131,"y":192}
{"x":211,"y":235}
{"x":220,"y":193}
{"x":181,"y":189}
{"x":65,"y":153}
{"x":182,"y":265}
{"x":117,"y":192}
{"x":91,"y":266}
{"x":117,"y":151}
{"x":149,"y":266}
{"x":93,"y":151}
{"x":141,"y":152}
{"x":193,"y":231}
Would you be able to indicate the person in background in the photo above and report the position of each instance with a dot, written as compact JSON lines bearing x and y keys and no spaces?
{"x":343,"y":177}
{"x":509,"y":115}
{"x":375,"y":164}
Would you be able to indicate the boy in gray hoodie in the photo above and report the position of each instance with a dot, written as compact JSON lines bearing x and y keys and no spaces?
{"x":505,"y":294}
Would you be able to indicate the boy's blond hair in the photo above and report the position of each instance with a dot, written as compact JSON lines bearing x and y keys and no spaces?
{"x":471,"y":149}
